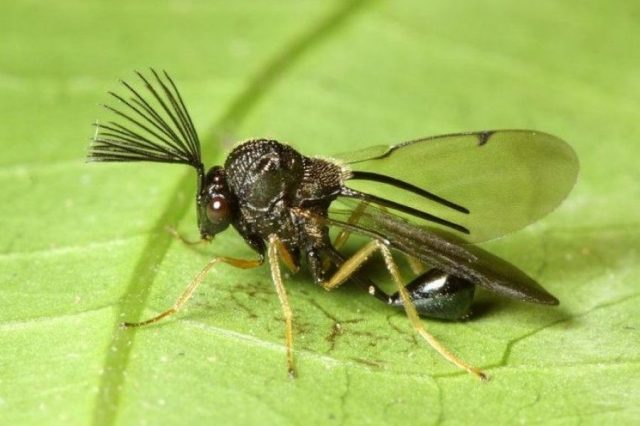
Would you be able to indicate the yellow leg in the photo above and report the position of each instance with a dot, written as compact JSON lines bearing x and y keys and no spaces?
{"x":173,"y":231}
{"x":410,"y":309}
{"x":275,"y":249}
{"x":416,"y":265}
{"x":361,"y":256}
{"x":285,"y":256}
{"x":343,"y":235}
{"x":191,"y":288}
{"x":351,"y":265}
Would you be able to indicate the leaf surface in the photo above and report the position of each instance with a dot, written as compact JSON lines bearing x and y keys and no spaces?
{"x":82,"y":247}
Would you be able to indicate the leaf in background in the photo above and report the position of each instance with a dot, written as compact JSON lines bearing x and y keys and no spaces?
{"x":83,"y":247}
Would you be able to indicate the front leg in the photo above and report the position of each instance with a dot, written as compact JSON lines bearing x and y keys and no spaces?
{"x":191,"y":288}
{"x":178,"y":236}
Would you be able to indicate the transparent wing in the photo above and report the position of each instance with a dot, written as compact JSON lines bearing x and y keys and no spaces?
{"x":505,"y":179}
{"x":464,"y":261}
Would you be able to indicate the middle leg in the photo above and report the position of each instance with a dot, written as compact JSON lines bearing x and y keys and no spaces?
{"x":275,"y":251}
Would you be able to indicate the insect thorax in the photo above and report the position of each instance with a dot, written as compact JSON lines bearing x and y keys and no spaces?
{"x":271,"y":181}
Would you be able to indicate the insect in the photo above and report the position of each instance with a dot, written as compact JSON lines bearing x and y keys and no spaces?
{"x":283,"y":203}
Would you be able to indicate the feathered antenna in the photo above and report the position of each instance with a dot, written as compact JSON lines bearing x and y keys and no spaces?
{"x":157,"y":129}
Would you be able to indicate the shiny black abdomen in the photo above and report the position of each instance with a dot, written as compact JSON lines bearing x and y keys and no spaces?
{"x":437,"y":294}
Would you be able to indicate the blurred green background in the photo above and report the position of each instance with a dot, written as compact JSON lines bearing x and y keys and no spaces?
{"x":82,"y":247}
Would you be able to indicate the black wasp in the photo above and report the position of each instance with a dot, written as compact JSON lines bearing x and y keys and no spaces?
{"x":283,"y":204}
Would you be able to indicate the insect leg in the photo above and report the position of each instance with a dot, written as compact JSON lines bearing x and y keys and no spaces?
{"x":191,"y":288}
{"x":350,"y":266}
{"x":341,"y":239}
{"x":286,"y":256}
{"x":275,"y":250}
{"x":343,"y":235}
{"x":410,"y":309}
{"x":174,"y":232}
{"x":437,"y":294}
{"x":415,"y":264}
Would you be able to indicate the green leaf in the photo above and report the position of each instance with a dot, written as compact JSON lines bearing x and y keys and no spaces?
{"x":83,"y":247}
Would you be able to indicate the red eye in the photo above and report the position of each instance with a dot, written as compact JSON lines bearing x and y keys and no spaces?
{"x":218,"y":210}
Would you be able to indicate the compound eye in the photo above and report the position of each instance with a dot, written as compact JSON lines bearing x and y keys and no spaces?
{"x":218,"y":210}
